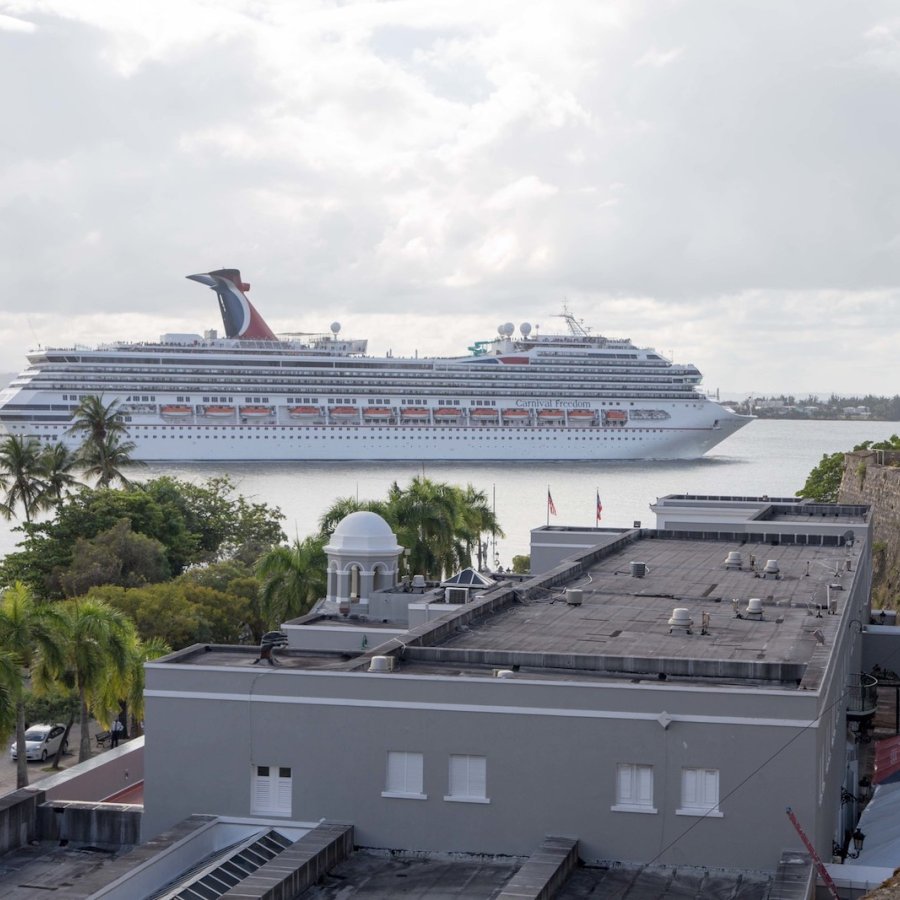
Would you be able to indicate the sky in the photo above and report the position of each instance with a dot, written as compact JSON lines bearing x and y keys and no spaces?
{"x":718,"y":180}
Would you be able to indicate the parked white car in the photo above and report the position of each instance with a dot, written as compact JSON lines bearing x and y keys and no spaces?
{"x":41,"y":741}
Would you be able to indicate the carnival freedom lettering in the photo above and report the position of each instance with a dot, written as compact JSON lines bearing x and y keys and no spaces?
{"x":551,"y":404}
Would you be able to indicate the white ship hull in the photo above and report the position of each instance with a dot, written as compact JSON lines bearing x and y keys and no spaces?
{"x":180,"y":442}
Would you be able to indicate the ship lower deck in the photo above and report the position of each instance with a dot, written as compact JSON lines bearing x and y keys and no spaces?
{"x":180,"y":442}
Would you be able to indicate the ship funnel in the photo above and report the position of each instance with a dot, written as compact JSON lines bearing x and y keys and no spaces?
{"x":239,"y":316}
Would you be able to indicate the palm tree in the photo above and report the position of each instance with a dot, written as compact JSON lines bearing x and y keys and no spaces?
{"x":96,"y":421}
{"x":29,"y":633}
{"x":104,"y":450}
{"x":10,"y":679}
{"x":57,"y":462}
{"x":94,"y":657}
{"x":477,"y":520}
{"x":105,"y":461}
{"x":293,"y":578}
{"x":342,"y":507}
{"x":21,"y":475}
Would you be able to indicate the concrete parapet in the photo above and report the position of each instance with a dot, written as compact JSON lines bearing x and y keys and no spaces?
{"x":18,"y":818}
{"x":545,"y":872}
{"x":109,"y":826}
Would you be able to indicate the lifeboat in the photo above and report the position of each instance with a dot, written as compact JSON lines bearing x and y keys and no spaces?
{"x":615,"y":415}
{"x":416,"y":412}
{"x":256,"y":412}
{"x":303,"y":412}
{"x":483,"y":412}
{"x":343,"y":412}
{"x":551,"y":415}
{"x":176,"y":410}
{"x":447,"y":414}
{"x":516,"y":415}
{"x":581,"y":415}
{"x":377,"y":413}
{"x":218,"y":411}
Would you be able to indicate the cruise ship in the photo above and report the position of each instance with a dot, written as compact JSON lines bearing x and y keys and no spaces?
{"x":254,"y":395}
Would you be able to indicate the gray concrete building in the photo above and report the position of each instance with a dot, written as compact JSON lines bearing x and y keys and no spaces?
{"x":660,"y":695}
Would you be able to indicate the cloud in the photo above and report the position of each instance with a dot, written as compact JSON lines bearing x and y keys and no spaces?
{"x":696,"y":176}
{"x":10,"y":23}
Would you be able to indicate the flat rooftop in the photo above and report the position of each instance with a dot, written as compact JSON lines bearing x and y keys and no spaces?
{"x":623,"y":627}
{"x":628,"y":618}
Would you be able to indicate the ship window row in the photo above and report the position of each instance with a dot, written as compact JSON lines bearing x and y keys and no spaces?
{"x":399,"y":385}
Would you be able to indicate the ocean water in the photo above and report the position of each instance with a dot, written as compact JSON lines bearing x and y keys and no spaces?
{"x":766,"y":457}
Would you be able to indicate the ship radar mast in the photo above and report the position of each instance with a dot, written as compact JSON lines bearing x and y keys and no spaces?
{"x":576,"y":326}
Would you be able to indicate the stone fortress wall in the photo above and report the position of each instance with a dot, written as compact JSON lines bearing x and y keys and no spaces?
{"x":873,"y":477}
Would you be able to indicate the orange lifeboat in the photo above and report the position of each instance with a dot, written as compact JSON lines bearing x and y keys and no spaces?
{"x":176,"y":410}
{"x":343,"y":412}
{"x":516,"y":414}
{"x":615,"y":415}
{"x":447,"y":414}
{"x":551,"y":415}
{"x":218,"y":411}
{"x":416,"y":412}
{"x":483,"y":412}
{"x":377,"y":413}
{"x":303,"y":412}
{"x":581,"y":415}
{"x":256,"y":412}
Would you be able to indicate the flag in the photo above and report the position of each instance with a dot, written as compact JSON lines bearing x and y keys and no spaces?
{"x":599,"y":507}
{"x":551,"y":506}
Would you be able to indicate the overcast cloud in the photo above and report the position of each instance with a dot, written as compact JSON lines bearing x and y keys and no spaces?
{"x":717,"y":180}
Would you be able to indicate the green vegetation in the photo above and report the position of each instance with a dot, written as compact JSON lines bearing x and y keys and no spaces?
{"x":787,"y":406}
{"x":521,"y":565}
{"x":824,"y":482}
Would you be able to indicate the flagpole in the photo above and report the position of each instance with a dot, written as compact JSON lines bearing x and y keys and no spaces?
{"x":548,"y":505}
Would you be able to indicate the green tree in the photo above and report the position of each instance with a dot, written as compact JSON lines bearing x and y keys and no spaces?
{"x":57,"y":462}
{"x":105,"y":461}
{"x":117,"y":556}
{"x":824,"y":481}
{"x":21,"y":476}
{"x":10,"y":681}
{"x":105,"y":449}
{"x":92,"y":660}
{"x":29,"y":633}
{"x":293,"y":578}
{"x":180,"y":612}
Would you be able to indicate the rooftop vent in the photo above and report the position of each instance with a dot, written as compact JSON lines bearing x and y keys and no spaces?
{"x":771,"y":569}
{"x":575,"y":596}
{"x":382,"y":664}
{"x":418,"y":582}
{"x":754,"y":608}
{"x":681,"y":620}
{"x":734,"y":560}
{"x":638,"y":569}
{"x":503,"y":673}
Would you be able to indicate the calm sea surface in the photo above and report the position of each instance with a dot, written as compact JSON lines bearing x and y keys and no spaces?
{"x":766,"y":457}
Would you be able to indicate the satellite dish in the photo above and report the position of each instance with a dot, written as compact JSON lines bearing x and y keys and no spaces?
{"x":525,"y":328}
{"x":335,"y":327}
{"x":509,"y":328}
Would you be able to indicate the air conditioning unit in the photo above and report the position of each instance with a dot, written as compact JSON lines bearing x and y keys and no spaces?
{"x":574,"y":596}
{"x":456,"y":595}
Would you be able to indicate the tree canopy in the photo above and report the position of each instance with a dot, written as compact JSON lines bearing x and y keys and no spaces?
{"x":824,"y":482}
{"x":194,"y":523}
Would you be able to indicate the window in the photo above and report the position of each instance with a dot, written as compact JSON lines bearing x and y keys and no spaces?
{"x":634,"y":788}
{"x":699,"y":793}
{"x":271,"y":791}
{"x":404,"y":776}
{"x":468,"y":779}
